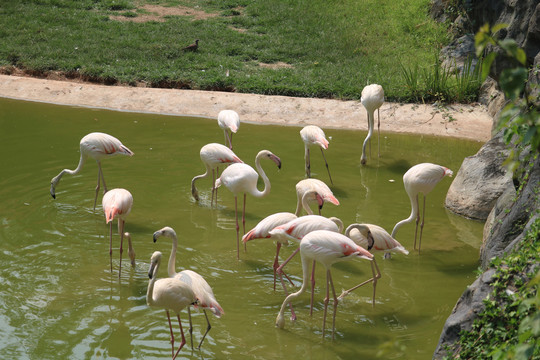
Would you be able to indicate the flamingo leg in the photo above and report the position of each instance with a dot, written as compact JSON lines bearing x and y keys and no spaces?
{"x":336,"y":301}
{"x":422,"y":224}
{"x":237,"y":228}
{"x":231,"y":140}
{"x":308,"y":164}
{"x":172,"y":334}
{"x":417,"y":220}
{"x":244,"y":221}
{"x":190,"y":326}
{"x":98,"y":185}
{"x":110,"y":243}
{"x":313,"y":292}
{"x":208,"y":327}
{"x":327,"y":168}
{"x":213,"y":187}
{"x":227,"y":140}
{"x":374,"y":279}
{"x":276,"y":262}
{"x":217,"y":177}
{"x":183,"y":337}
{"x":378,"y":133}
{"x":280,"y":271}
{"x":121,"y":231}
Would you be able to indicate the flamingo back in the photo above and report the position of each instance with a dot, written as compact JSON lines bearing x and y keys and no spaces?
{"x":329,"y":247}
{"x":298,"y":228}
{"x":215,"y":154}
{"x":229,"y":119}
{"x":99,"y":145}
{"x":314,"y":135}
{"x":262,"y":229}
{"x":238,"y":178}
{"x":372,"y":97}
{"x":383,"y":240}
{"x":202,"y":290}
{"x":422,"y":178}
{"x":117,"y":202}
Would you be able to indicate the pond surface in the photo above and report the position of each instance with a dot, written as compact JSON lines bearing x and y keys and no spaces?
{"x":59,"y":299}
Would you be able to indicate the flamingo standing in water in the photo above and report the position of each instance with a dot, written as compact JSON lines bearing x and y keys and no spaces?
{"x":420,"y":178}
{"x":296,"y":230}
{"x":314,"y":135}
{"x":97,"y":146}
{"x":229,"y":121}
{"x":118,"y":203}
{"x":169,"y":294}
{"x":202,"y":290}
{"x":372,"y":99}
{"x":240,"y":178}
{"x":213,"y":155}
{"x":318,"y":190}
{"x":326,"y":247}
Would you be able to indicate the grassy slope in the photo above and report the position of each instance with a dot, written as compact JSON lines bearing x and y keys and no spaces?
{"x":335,"y":48}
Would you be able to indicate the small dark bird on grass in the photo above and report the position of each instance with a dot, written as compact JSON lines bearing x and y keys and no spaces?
{"x":192,"y":47}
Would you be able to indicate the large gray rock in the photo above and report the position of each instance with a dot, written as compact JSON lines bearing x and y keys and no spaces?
{"x":480,"y":181}
{"x":464,"y":313}
{"x":509,"y":222}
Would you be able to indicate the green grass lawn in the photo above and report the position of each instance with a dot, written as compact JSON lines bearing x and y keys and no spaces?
{"x":309,"y":48}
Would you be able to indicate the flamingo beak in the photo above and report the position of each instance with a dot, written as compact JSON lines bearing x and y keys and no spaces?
{"x":53,"y":191}
{"x":277,"y":160}
{"x":156,"y":235}
{"x":370,"y":240}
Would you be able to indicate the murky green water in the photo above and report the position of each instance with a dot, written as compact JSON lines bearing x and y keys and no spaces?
{"x":58,"y":298}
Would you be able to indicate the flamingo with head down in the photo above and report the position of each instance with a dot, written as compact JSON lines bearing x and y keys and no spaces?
{"x":314,"y":136}
{"x":315,"y":190}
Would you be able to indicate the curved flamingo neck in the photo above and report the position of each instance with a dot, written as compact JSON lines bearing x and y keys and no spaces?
{"x":262,"y":174}
{"x":338,"y":222}
{"x":172,"y":258}
{"x":193,"y":188}
{"x":414,"y":213}
{"x":150,"y":292}
{"x":82,"y":160}
{"x":371,"y":125}
{"x":305,"y":280}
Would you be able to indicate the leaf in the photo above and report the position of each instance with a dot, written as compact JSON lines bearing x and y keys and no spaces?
{"x":498,"y":27}
{"x":512,"y":81}
{"x":486,"y":65}
{"x":529,"y":135}
{"x":513,"y":50}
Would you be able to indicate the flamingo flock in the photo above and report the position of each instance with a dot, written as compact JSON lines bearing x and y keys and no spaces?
{"x":318,"y":238}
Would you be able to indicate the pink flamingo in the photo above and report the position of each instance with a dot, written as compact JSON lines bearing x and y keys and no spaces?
{"x":420,"y":178}
{"x":240,"y":178}
{"x":314,"y":135}
{"x":168,"y":294}
{"x":213,"y":155}
{"x":372,"y":99}
{"x":326,"y":247}
{"x":383,"y":241}
{"x":202,"y":290}
{"x":318,"y":190}
{"x":118,"y":203}
{"x":97,"y":146}
{"x":229,"y":121}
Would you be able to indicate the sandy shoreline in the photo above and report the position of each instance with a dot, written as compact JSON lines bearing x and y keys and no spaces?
{"x":460,"y":121}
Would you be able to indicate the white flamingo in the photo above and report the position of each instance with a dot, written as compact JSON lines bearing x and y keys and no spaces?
{"x":202,"y":290}
{"x":372,"y":99}
{"x":97,"y":146}
{"x":212,"y":155}
{"x":420,"y":178}
{"x":314,"y":136}
{"x":239,"y":179}
{"x":317,"y":190}
{"x":168,"y":294}
{"x":229,"y":121}
{"x":326,"y":247}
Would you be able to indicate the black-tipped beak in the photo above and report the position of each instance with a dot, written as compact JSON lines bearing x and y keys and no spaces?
{"x":52,"y":192}
{"x":371,"y":241}
{"x":151,"y":271}
{"x":155,"y":236}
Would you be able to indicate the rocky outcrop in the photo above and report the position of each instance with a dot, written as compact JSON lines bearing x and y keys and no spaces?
{"x":481,"y":179}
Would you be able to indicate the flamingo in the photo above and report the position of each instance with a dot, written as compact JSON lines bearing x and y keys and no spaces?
{"x":168,"y":294}
{"x":314,"y":135}
{"x":229,"y":121}
{"x":295,"y":230}
{"x":383,"y":241}
{"x":326,"y":247}
{"x":201,"y":289}
{"x":118,"y":203}
{"x":420,"y":178}
{"x":97,"y":146}
{"x":372,"y":99}
{"x":314,"y":187}
{"x":212,"y":155}
{"x":241,"y":178}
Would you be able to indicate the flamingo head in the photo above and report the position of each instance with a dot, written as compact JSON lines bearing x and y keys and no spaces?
{"x":154,"y":261}
{"x":275,"y":159}
{"x":447,"y":172}
{"x":365,"y":231}
{"x":55,"y":180}
{"x":166,"y":231}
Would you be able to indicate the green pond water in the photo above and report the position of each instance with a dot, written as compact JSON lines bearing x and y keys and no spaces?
{"x":59,"y":299}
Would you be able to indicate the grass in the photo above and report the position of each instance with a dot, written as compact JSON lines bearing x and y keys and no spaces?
{"x":331,"y":49}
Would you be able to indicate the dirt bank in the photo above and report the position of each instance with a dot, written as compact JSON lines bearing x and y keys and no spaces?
{"x":460,"y":121}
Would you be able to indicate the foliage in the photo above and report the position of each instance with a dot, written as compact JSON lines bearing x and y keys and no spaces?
{"x":520,"y":118}
{"x":305,"y":48}
{"x":509,"y":325}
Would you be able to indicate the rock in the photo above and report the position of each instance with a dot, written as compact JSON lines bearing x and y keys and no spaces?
{"x":498,"y":212}
{"x":456,"y":55}
{"x":533,"y":85}
{"x":492,"y":97}
{"x":480,"y":181}
{"x":511,"y":220}
{"x":464,"y":313}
